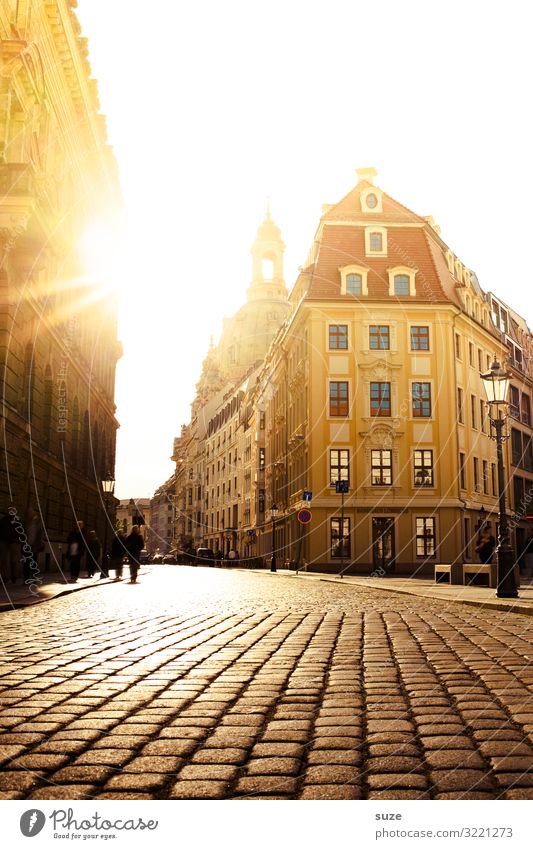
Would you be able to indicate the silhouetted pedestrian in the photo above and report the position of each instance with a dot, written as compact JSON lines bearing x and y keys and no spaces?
{"x":118,"y":550}
{"x":94,"y":551}
{"x":134,"y":546}
{"x":76,"y":546}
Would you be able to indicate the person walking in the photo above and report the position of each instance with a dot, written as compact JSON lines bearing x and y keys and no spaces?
{"x":94,"y":550}
{"x":76,"y":547}
{"x":134,"y":546}
{"x":486,"y":545}
{"x":118,"y":550}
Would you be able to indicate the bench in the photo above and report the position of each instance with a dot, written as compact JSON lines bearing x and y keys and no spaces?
{"x":447,"y":573}
{"x":473,"y":569}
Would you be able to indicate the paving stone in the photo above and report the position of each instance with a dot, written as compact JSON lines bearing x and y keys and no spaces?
{"x":454,"y":759}
{"x":391,"y":795}
{"x":19,"y":780}
{"x":208,"y":772}
{"x":328,"y":774}
{"x":267,"y":784}
{"x":220,"y":756}
{"x":39,"y":762}
{"x":396,"y":780}
{"x":160,"y":765}
{"x":198,"y":790}
{"x":273,"y":766}
{"x":320,"y":757}
{"x":512,"y":763}
{"x":66,"y":791}
{"x":461,"y":779}
{"x":321,"y":792}
{"x":134,"y":781}
{"x":393,"y":764}
{"x":175,"y":748}
{"x":82,"y":774}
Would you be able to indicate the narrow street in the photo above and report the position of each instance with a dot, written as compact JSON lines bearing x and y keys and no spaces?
{"x":202,"y":683}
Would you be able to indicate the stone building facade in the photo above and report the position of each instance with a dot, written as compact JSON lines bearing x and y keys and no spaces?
{"x":373,"y":379}
{"x":58,"y":326}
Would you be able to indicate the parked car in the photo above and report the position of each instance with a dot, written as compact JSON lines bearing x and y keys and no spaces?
{"x":204,"y":556}
{"x":169,"y":559}
{"x":144,"y":557}
{"x":158,"y":557}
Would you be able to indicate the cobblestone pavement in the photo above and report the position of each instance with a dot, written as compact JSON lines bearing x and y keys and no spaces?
{"x":208,"y":684}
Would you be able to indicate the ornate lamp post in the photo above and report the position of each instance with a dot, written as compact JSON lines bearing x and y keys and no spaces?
{"x":108,"y":488}
{"x":274,"y":513}
{"x":496,"y":384}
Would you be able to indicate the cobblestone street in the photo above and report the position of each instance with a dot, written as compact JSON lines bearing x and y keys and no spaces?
{"x":208,"y":684}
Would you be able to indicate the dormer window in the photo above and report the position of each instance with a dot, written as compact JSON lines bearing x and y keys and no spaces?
{"x":354,"y":284}
{"x":376,"y":241}
{"x":354,"y":280}
{"x":402,"y":281}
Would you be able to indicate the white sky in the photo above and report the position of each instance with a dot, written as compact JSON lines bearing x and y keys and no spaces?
{"x":214,"y":106}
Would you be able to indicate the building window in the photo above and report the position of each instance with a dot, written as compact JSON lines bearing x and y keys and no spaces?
{"x":493,"y":477}
{"x":473,"y":410}
{"x":338,"y":337}
{"x":354,"y":284}
{"x":379,"y":337}
{"x":457,"y":346}
{"x":338,"y":398}
{"x":482,"y":415}
{"x":485,"y":477}
{"x":480,"y":359}
{"x":261,"y":501}
{"x":381,"y":467}
{"x":339,"y":465}
{"x":419,"y":338}
{"x":401,"y":284}
{"x":525,"y":409}
{"x":380,"y":400}
{"x":425,"y":537}
{"x":471,"y":354}
{"x":421,"y":399}
{"x":376,"y":242}
{"x":423,"y":467}
{"x":261,"y":458}
{"x":516,"y":447}
{"x":340,"y":537}
{"x":462,"y":471}
{"x":354,"y":280}
{"x":477,"y":487}
{"x":460,"y":406}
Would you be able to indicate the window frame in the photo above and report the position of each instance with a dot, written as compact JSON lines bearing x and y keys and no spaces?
{"x":382,"y":466}
{"x":423,"y":537}
{"x":420,"y":465}
{"x":417,"y":403}
{"x":339,"y":466}
{"x":342,"y":534}
{"x":379,"y":413}
{"x":375,"y":334}
{"x":338,"y":400}
{"x":332,"y":336}
{"x":413,"y":336}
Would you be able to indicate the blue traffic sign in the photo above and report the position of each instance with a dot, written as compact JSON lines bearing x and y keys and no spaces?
{"x":341,"y":487}
{"x":307,"y":495}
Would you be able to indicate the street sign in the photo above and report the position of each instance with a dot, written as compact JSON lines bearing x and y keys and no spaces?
{"x":304,"y":516}
{"x":341,"y":487}
{"x":307,"y":495}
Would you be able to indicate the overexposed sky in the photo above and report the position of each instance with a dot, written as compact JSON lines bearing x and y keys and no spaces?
{"x":214,"y":107}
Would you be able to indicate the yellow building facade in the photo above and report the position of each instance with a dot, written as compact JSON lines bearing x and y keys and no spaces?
{"x":375,"y":381}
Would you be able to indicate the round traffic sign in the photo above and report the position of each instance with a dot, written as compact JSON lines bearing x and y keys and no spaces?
{"x":304,"y":516}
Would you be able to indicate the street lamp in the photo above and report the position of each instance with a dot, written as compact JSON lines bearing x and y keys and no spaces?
{"x":108,"y":488}
{"x":496,"y":384}
{"x":274,"y":513}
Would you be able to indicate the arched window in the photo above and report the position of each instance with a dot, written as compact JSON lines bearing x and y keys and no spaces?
{"x":47,"y":408}
{"x":354,"y":284}
{"x":267,"y":269}
{"x":401,"y":284}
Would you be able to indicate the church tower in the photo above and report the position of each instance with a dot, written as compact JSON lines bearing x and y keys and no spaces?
{"x":246,"y":337}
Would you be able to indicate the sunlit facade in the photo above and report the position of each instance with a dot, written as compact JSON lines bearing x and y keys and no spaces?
{"x":375,"y":381}
{"x":58,"y":327}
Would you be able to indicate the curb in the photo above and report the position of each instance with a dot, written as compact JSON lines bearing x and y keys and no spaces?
{"x":20,"y":605}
